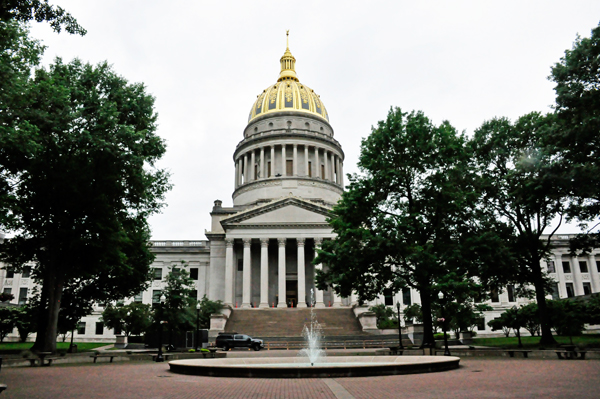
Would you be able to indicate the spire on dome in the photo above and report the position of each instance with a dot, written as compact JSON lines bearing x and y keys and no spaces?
{"x":288,"y":63}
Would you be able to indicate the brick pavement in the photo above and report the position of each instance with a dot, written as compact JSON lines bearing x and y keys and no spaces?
{"x":476,"y":378}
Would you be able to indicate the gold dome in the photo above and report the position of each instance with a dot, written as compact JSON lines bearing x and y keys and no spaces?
{"x":288,"y":94}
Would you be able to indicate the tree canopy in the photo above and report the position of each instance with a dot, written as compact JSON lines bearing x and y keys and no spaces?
{"x":39,"y":11}
{"x":410,"y":218}
{"x":78,"y":180}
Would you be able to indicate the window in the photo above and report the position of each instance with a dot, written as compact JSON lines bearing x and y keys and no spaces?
{"x":583,"y":267}
{"x":566,"y":267}
{"x":551,"y":267}
{"x":194,"y":294}
{"x":81,"y":327}
{"x":10,"y":273}
{"x":138,"y":298}
{"x":289,"y":167}
{"x":388,"y":297}
{"x":598,"y":265}
{"x":481,"y":324}
{"x":555,"y":293}
{"x":494,"y":295}
{"x":269,"y":174}
{"x":570,"y":290}
{"x":118,"y":330}
{"x":7,"y":290}
{"x":175,"y":272}
{"x":240,"y":265}
{"x":256,"y":176}
{"x":406,"y":296}
{"x":22,"y":296}
{"x":323,"y":172}
{"x":309,"y":169}
{"x":194,"y":273}
{"x":26,"y":272}
{"x":156,"y":296}
{"x":587,"y":289}
{"x":158,"y":273}
{"x":511,"y":293}
{"x":99,"y":328}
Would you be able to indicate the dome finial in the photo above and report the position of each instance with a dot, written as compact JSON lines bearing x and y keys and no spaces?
{"x":288,"y":62}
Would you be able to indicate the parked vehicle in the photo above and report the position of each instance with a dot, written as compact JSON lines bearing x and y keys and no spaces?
{"x":234,"y":340}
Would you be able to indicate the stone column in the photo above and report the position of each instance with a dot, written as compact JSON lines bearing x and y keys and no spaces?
{"x":283,"y":170}
{"x":252,"y":165}
{"x":264,"y":272}
{"x":301,"y":273}
{"x":560,"y":275}
{"x":577,"y":276}
{"x":272,"y":161}
{"x":306,"y":160}
{"x":341,"y":173}
{"x":326,"y":164}
{"x":295,"y":166}
{"x":229,"y":271}
{"x":281,"y":273}
{"x":318,"y":293}
{"x":237,"y":171}
{"x":245,"y":170}
{"x":261,"y":167}
{"x":336,"y":301}
{"x":594,"y":276}
{"x":332,"y":168}
{"x":247,"y":283}
{"x":338,"y":164}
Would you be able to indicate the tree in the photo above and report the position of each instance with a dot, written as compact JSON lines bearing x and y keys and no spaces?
{"x":79,"y":178}
{"x":133,"y":318}
{"x":576,"y":142}
{"x":567,"y":317}
{"x":9,"y":316}
{"x":179,"y":308}
{"x":26,"y":317}
{"x":384,"y":315}
{"x":39,"y":10}
{"x":500,"y":323}
{"x":532,"y":319}
{"x":592,"y":310}
{"x":410,"y":218}
{"x":207,"y":308}
{"x":520,"y":188}
{"x":74,"y":305}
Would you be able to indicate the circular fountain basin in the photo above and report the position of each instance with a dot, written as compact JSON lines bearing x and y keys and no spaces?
{"x":297,"y":367}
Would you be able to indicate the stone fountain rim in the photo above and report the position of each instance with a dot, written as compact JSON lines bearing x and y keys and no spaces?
{"x":297,"y":367}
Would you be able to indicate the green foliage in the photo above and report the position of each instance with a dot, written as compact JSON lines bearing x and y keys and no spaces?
{"x":515,"y":168}
{"x":179,"y":310}
{"x":26,"y":320}
{"x":208,"y":307}
{"x":499,"y":324}
{"x":8,"y":320}
{"x":39,"y":10}
{"x":514,"y":318}
{"x":77,"y":154}
{"x":592,"y":310}
{"x":410,"y":218}
{"x":588,"y":340}
{"x":5,"y":297}
{"x":133,"y":318}
{"x":412,"y":313}
{"x":532,"y":318}
{"x":385,"y":316}
{"x":567,"y":317}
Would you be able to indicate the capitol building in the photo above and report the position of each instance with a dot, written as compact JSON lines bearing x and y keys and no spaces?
{"x":288,"y":170}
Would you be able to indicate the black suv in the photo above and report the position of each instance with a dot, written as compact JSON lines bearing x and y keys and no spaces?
{"x":230,"y":340}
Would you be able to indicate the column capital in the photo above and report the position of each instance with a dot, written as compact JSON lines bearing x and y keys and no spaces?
{"x":281,"y":241}
{"x":300,"y":241}
{"x":264,"y":242}
{"x":318,"y":241}
{"x":247,"y":242}
{"x":229,"y":242}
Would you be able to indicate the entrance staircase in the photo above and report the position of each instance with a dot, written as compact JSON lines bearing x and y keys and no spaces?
{"x":289,"y":322}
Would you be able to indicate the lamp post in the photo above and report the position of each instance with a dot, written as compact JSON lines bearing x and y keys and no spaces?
{"x":197,"y":325}
{"x":400,"y":346}
{"x":159,"y":356}
{"x":441,"y":297}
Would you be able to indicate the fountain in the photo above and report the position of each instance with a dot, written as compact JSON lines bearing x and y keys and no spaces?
{"x":310,"y":362}
{"x":313,"y":332}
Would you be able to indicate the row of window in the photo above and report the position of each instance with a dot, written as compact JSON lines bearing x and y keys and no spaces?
{"x":566,"y":266}
{"x":22,"y":294}
{"x":99,"y":328}
{"x":158,"y":273}
{"x":10,"y":272}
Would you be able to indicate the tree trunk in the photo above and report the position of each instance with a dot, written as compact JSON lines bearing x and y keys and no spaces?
{"x":428,"y":340}
{"x":52,"y":285}
{"x":546,"y":331}
{"x":518,"y":334}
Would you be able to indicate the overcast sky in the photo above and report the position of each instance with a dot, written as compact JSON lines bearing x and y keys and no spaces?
{"x":206,"y":61}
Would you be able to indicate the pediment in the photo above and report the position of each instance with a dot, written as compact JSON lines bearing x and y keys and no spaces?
{"x":289,"y":211}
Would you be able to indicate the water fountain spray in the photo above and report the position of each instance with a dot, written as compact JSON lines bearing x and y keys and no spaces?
{"x":312,"y":333}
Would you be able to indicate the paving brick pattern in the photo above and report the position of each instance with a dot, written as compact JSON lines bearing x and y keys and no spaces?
{"x":477,"y":378}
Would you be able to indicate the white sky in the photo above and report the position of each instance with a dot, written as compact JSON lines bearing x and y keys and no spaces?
{"x":205,"y":62}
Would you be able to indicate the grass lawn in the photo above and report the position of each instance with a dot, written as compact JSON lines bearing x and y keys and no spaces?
{"x":589,"y":340}
{"x":81,"y":346}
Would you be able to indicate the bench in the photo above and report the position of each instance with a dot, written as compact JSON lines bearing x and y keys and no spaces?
{"x":96,"y":356}
{"x":570,"y":354}
{"x":511,"y":352}
{"x":2,"y":387}
{"x":33,"y":360}
{"x":395,"y":350}
{"x":164,"y":355}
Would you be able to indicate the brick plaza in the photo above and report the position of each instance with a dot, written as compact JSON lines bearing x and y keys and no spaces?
{"x":476,"y":378}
